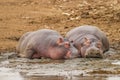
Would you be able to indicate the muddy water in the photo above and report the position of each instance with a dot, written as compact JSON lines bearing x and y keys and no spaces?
{"x":13,"y":68}
{"x":10,"y":74}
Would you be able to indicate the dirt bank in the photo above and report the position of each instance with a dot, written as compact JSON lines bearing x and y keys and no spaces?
{"x":20,"y":16}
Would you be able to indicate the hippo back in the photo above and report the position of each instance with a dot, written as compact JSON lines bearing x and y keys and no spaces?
{"x":82,"y":31}
{"x":21,"y":44}
{"x":42,"y":39}
{"x":38,"y":40}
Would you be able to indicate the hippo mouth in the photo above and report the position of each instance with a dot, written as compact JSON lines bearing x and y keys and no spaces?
{"x":94,"y":54}
{"x":68,"y":55}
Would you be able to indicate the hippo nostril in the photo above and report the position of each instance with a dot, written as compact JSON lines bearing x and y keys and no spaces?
{"x":98,"y":51}
{"x":98,"y":54}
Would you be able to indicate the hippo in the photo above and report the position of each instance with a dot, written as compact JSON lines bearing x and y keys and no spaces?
{"x":45,"y":43}
{"x":90,"y":41}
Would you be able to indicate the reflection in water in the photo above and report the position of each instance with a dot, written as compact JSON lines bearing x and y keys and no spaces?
{"x":116,"y":63}
{"x":9,"y":74}
{"x":64,"y":78}
{"x":73,"y":78}
{"x":45,"y":78}
{"x":113,"y":78}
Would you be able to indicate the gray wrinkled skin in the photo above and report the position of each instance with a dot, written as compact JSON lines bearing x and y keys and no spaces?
{"x":89,"y":40}
{"x":44,"y":43}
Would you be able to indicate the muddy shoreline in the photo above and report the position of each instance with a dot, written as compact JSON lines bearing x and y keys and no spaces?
{"x":79,"y":68}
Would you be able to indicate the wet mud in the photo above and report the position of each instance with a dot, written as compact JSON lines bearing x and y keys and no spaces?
{"x":72,"y":69}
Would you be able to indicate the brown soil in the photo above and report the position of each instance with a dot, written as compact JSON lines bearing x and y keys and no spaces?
{"x":20,"y":16}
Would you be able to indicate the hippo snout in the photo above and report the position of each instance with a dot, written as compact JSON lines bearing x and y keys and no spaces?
{"x":68,"y":55}
{"x":94,"y":53}
{"x":74,"y":52}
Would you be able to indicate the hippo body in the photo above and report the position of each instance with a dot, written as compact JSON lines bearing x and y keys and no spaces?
{"x":89,"y":40}
{"x":44,"y":43}
{"x":22,"y":43}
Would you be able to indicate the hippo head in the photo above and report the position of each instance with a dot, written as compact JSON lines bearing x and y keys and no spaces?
{"x":72,"y":48}
{"x":63,"y":49}
{"x":91,"y":48}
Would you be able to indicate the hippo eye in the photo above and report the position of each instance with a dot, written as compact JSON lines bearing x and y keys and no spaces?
{"x":73,"y":44}
{"x":82,"y":44}
{"x":71,"y":41}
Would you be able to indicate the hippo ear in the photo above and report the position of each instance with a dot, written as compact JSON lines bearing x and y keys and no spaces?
{"x":67,"y":44}
{"x":59,"y":41}
{"x":87,"y":41}
{"x":71,"y":41}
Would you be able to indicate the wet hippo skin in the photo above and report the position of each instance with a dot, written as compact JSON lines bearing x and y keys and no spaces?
{"x":89,"y":40}
{"x":45,"y":43}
